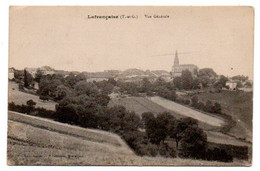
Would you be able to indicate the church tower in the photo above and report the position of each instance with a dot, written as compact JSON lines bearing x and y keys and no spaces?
{"x":176,"y":60}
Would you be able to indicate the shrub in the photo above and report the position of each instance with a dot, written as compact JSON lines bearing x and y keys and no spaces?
{"x":194,"y":101}
{"x":187,"y":102}
{"x":200,"y":106}
{"x":152,"y":150}
{"x":31,"y":103}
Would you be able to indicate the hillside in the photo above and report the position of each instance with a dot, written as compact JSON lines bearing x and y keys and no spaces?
{"x":19,"y":97}
{"x":239,"y":105}
{"x":142,"y":104}
{"x":38,"y":141}
{"x":33,"y":140}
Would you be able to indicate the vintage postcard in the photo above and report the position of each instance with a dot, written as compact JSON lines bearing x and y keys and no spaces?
{"x":142,"y":86}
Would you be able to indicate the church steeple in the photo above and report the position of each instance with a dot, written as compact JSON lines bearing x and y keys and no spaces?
{"x":176,"y":60}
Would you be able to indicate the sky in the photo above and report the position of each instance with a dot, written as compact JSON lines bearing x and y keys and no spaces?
{"x":65,"y":38}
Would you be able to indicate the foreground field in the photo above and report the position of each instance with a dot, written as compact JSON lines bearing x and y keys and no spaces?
{"x":18,"y":97}
{"x":37,"y":141}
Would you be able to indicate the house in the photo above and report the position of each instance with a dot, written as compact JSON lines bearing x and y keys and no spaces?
{"x":232,"y":85}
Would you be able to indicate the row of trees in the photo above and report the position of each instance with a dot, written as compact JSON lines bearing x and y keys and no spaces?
{"x":208,"y":107}
{"x":206,"y":78}
{"x":190,"y":140}
{"x":156,"y":139}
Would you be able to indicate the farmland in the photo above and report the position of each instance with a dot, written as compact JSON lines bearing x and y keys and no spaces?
{"x":185,"y":111}
{"x":19,"y":97}
{"x":44,"y":142}
{"x":237,"y":104}
{"x":145,"y":104}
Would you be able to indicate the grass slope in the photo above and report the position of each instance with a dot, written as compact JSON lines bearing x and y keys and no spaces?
{"x":36,"y":141}
{"x":142,"y":104}
{"x":185,"y":111}
{"x":239,"y":105}
{"x":18,"y":97}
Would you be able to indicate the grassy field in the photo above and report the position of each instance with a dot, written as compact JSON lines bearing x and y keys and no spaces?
{"x":40,"y":143}
{"x":239,"y":105}
{"x":138,"y":104}
{"x":185,"y":111}
{"x":18,"y":97}
{"x":143,"y":104}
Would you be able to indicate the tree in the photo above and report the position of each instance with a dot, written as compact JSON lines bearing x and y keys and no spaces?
{"x":207,"y":72}
{"x":177,"y":81}
{"x":61,"y":92}
{"x":27,"y":79}
{"x":223,"y":80}
{"x":187,"y":101}
{"x":146,"y":86}
{"x":208,"y":106}
{"x":18,"y":74}
{"x":205,"y":81}
{"x":38,"y":75}
{"x":217,"y":108}
{"x":157,"y":128}
{"x":200,"y":106}
{"x":121,"y":120}
{"x":194,"y":101}
{"x":177,"y":128}
{"x":248,"y":84}
{"x":71,"y":80}
{"x":146,"y":118}
{"x":193,"y":143}
{"x":196,"y":83}
{"x":112,"y":81}
{"x":241,"y":78}
{"x":31,"y":103}
{"x":239,"y":84}
{"x":187,"y":79}
{"x":88,"y":88}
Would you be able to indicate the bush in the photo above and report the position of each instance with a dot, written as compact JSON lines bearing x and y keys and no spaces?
{"x":218,"y":154}
{"x":20,"y":86}
{"x":216,"y":108}
{"x":187,"y":102}
{"x":200,"y":106}
{"x":31,"y":103}
{"x":194,"y":101}
{"x":152,"y":150}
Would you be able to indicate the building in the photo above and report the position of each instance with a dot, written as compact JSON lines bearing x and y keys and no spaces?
{"x":45,"y":70}
{"x":232,"y":85}
{"x":10,"y":73}
{"x":177,"y":68}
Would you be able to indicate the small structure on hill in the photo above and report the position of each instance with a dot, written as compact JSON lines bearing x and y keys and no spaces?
{"x":232,"y":85}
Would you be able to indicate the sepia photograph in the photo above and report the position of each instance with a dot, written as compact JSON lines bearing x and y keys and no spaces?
{"x":130,"y":86}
